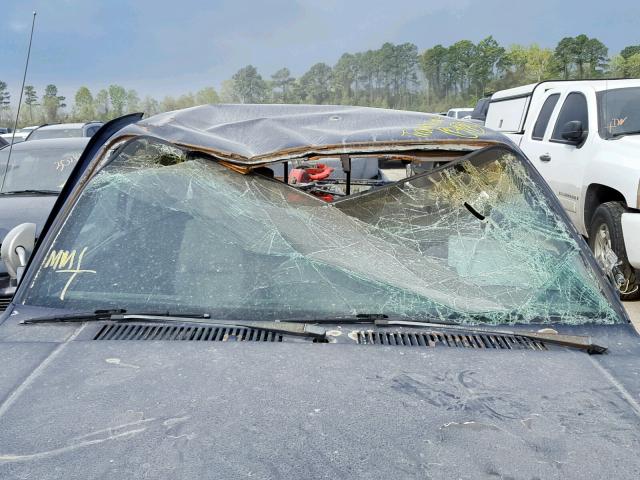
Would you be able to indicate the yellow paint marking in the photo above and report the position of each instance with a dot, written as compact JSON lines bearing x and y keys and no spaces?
{"x":616,"y":122}
{"x":62,"y":261}
{"x":454,"y":128}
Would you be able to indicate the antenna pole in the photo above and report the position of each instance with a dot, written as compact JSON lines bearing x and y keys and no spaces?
{"x":24,"y":78}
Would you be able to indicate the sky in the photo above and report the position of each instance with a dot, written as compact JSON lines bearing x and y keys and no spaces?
{"x":161,"y":47}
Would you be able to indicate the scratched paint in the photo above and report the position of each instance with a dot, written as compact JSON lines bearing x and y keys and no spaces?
{"x":109,"y":434}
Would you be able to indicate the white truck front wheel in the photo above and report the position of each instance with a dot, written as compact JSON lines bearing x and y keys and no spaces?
{"x":607,"y":243}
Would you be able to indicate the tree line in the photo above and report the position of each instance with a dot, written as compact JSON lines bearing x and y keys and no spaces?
{"x":393,"y":76}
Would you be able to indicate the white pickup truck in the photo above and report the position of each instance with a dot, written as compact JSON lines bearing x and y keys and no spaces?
{"x":584,"y":138}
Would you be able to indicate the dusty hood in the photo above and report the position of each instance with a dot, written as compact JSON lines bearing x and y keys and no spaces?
{"x":184,"y":410}
{"x":252,"y":134}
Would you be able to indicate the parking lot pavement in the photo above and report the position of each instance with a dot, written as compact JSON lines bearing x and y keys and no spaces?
{"x":633,"y":309}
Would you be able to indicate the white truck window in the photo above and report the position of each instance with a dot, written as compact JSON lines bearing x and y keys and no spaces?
{"x":574,"y":108}
{"x":619,"y":112}
{"x":543,"y":118}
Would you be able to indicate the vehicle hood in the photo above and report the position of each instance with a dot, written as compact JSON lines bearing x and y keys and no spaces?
{"x":629,"y":140}
{"x":73,"y":407}
{"x":18,"y":209}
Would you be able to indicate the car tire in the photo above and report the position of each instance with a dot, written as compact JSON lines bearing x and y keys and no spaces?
{"x":606,"y":220}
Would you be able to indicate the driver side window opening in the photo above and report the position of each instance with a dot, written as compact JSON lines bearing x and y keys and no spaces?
{"x":574,"y":108}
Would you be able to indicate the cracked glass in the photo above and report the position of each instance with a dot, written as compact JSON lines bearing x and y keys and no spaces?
{"x":474,"y":242}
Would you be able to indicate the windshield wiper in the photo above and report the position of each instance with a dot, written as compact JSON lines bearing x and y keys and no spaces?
{"x":573,"y":341}
{"x":341,"y":319}
{"x":384,"y":320}
{"x":369,"y":318}
{"x":120,"y":316}
{"x":102,"y":315}
{"x":32,"y":191}
{"x":308,"y":327}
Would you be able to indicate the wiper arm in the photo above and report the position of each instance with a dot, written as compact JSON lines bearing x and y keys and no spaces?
{"x":103,"y":315}
{"x":573,"y":341}
{"x":119,"y":316}
{"x":384,"y":320}
{"x":341,"y":319}
{"x":371,"y":318}
{"x":301,"y":329}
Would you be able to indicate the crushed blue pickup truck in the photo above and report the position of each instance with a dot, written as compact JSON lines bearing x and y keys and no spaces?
{"x":217,"y":294}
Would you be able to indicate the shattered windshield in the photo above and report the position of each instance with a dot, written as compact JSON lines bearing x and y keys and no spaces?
{"x":160,"y":229}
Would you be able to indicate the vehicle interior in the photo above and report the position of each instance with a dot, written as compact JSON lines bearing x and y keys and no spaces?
{"x":332,"y":178}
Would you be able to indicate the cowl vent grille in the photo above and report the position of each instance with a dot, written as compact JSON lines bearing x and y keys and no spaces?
{"x":184,"y":333}
{"x":4,"y":303}
{"x":429,"y":339}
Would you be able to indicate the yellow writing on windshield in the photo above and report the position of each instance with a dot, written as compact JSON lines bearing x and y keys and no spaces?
{"x":60,"y":259}
{"x":67,"y":262}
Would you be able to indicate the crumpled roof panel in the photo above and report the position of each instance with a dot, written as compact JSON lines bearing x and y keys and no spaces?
{"x":252,"y":134}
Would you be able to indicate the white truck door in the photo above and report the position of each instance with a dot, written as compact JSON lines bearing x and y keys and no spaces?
{"x":562,"y":162}
{"x":534,"y":142}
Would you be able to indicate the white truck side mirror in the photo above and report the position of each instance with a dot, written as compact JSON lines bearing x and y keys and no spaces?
{"x":17,"y":247}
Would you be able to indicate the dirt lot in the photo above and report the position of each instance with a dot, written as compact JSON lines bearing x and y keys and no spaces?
{"x":633,"y":309}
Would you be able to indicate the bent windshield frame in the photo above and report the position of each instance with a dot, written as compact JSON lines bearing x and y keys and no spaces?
{"x":476,"y":241}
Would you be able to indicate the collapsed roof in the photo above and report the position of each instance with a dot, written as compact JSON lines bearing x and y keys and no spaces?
{"x":259,"y":134}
